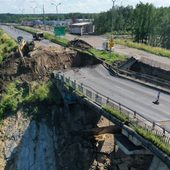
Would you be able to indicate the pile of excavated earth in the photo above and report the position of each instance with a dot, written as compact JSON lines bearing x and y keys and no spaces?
{"x":79,"y":43}
{"x":62,"y":137}
{"x":40,"y":64}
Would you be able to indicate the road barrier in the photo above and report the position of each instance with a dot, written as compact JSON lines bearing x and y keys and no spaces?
{"x":100,"y":99}
{"x":103,"y":100}
{"x":154,"y":63}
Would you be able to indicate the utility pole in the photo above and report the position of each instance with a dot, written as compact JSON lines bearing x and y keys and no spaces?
{"x":22,"y":10}
{"x":56,"y":9}
{"x":33,"y":9}
{"x":44,"y":17}
{"x":112,"y":27}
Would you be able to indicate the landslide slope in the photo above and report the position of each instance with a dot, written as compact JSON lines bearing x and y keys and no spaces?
{"x":40,"y":63}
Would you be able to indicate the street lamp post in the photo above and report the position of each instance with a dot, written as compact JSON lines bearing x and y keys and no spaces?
{"x":33,"y":9}
{"x":44,"y":17}
{"x":56,"y":9}
{"x":112,"y":24}
{"x":22,"y":10}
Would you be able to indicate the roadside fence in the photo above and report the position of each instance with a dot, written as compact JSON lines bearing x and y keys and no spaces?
{"x":102,"y":100}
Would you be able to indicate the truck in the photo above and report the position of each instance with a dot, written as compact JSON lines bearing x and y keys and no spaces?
{"x":38,"y":36}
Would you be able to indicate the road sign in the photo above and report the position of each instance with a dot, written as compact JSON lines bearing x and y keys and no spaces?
{"x":59,"y":31}
{"x":111,"y":43}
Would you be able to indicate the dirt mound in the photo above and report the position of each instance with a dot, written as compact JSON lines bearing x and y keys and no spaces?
{"x":40,"y":64}
{"x":80,"y":44}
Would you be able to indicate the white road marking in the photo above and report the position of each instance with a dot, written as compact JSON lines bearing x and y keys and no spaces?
{"x":124,"y":90}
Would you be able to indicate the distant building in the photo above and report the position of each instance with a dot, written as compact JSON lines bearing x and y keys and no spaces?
{"x":82,"y":28}
{"x":26,"y":23}
{"x":60,"y":22}
{"x":85,"y":20}
{"x":31,"y":23}
{"x":37,"y":22}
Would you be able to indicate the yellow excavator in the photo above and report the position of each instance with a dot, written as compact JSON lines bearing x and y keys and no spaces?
{"x":24,"y":47}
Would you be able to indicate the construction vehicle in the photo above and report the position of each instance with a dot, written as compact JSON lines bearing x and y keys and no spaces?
{"x":24,"y":47}
{"x":38,"y":36}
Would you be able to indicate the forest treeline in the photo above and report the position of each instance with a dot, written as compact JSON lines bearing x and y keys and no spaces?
{"x":148,"y":24}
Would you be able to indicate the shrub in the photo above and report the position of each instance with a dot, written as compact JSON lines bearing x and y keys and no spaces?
{"x":2,"y":40}
{"x":41,"y":92}
{"x":1,"y":58}
{"x":10,"y":99}
{"x":154,"y":50}
{"x":148,"y":135}
{"x":5,"y":49}
{"x":17,"y":82}
{"x":116,"y":113}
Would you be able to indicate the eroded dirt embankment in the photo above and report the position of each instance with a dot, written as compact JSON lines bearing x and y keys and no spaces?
{"x":55,"y":136}
{"x":150,"y":70}
{"x":40,"y":64}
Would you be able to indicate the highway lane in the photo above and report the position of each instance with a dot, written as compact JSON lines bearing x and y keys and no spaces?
{"x":133,"y":95}
{"x":27,"y":36}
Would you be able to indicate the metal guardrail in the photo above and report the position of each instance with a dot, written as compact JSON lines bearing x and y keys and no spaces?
{"x":103,"y":100}
{"x":146,"y":78}
{"x":131,"y":114}
{"x":140,"y":76}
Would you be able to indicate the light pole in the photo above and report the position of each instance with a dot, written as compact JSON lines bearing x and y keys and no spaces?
{"x":44,"y":17}
{"x":22,"y":10}
{"x":112,"y":25}
{"x":56,"y":9}
{"x":33,"y":9}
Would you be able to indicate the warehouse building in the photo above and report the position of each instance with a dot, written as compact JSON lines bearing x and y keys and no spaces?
{"x":82,"y":28}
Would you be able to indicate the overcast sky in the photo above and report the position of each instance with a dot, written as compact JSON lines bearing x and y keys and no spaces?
{"x":67,"y":6}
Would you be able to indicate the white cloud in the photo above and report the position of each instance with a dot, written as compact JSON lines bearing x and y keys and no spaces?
{"x":67,"y":6}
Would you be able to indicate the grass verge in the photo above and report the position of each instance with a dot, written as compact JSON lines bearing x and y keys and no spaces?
{"x":153,"y":50}
{"x":105,"y":55}
{"x":157,"y":140}
{"x":46,"y":35}
{"x":37,"y":92}
{"x":114,"y":56}
{"x":8,"y":44}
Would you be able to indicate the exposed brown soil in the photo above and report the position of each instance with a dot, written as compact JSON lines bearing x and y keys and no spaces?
{"x":150,"y":70}
{"x":80,"y":43}
{"x":40,"y":64}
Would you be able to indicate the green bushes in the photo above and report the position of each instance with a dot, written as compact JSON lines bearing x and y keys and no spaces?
{"x":1,"y":58}
{"x":37,"y":92}
{"x":106,"y":56}
{"x":79,"y":92}
{"x":119,"y":33}
{"x":10,"y":99}
{"x":8,"y":44}
{"x":41,"y":91}
{"x":117,"y":114}
{"x":157,"y":140}
{"x":154,"y":50}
